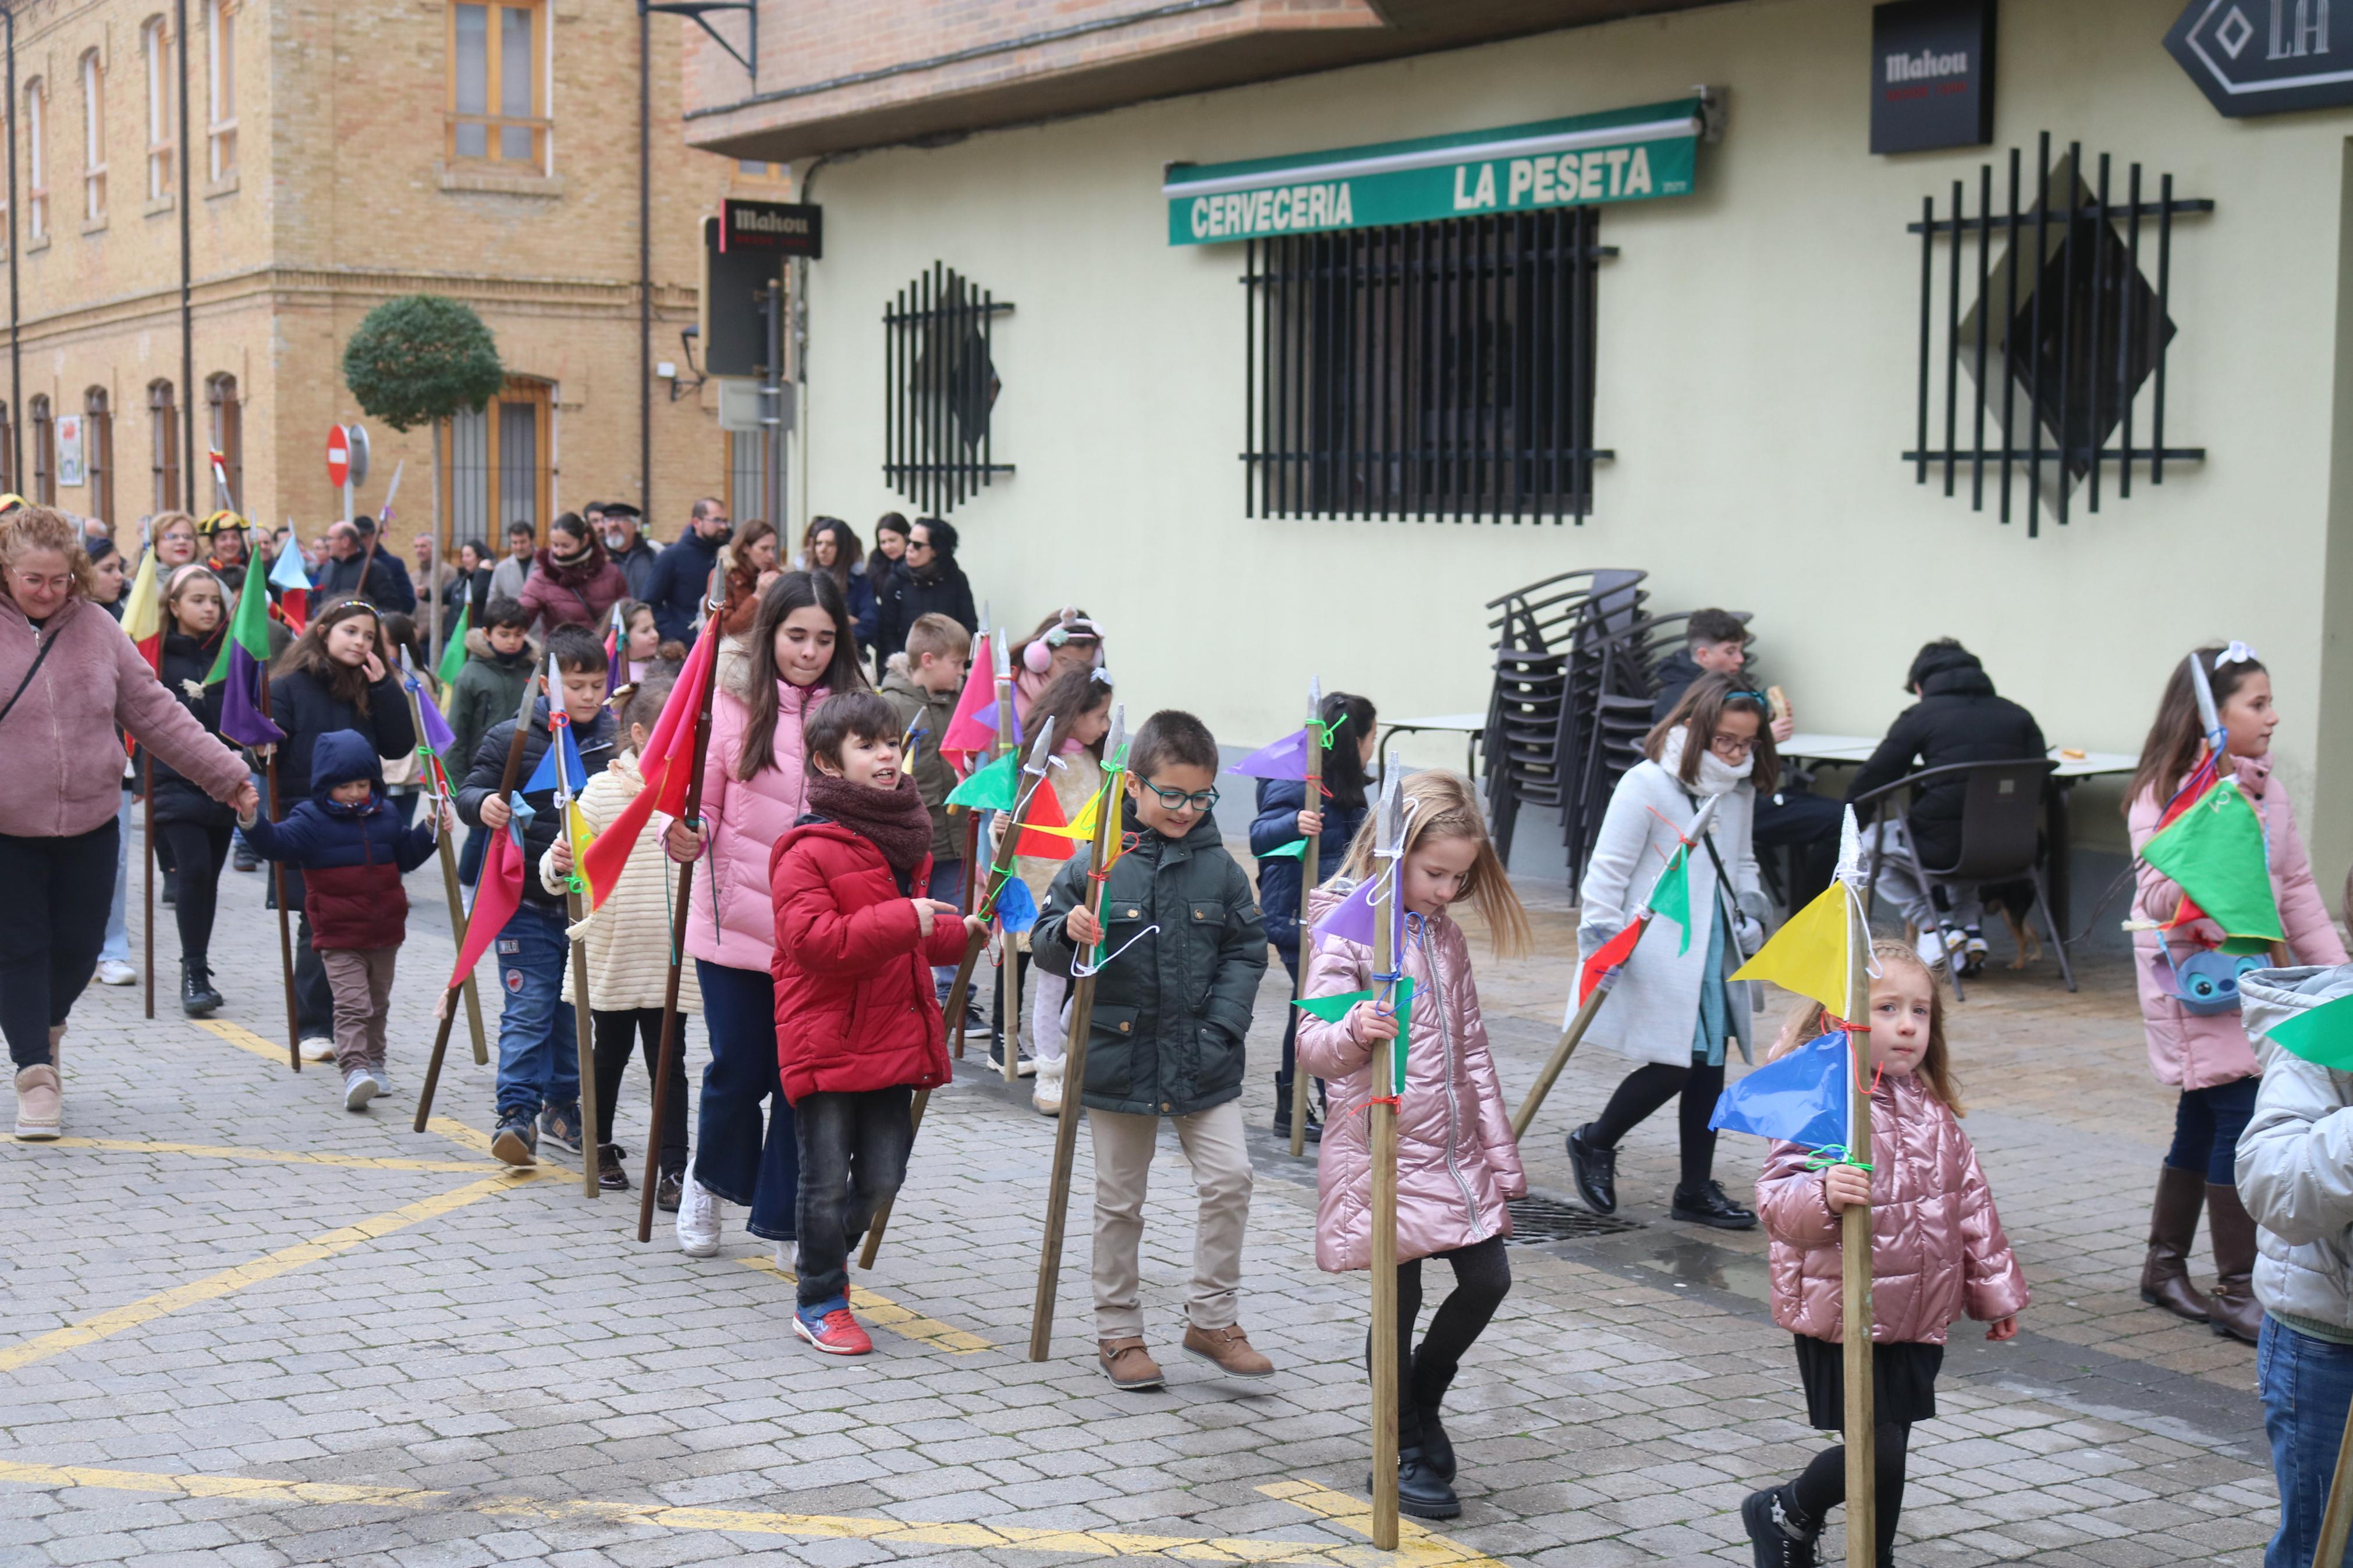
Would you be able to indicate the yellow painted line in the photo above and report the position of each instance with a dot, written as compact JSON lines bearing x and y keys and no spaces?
{"x":244,"y":1039}
{"x":458,"y":1132}
{"x":212,"y":1286}
{"x":264,"y":1156}
{"x":1416,"y":1542}
{"x":884,"y":1312}
{"x":237,"y":1035}
{"x":1417,"y":1546}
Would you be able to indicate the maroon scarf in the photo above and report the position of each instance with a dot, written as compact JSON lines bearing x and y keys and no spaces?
{"x":896,"y":820}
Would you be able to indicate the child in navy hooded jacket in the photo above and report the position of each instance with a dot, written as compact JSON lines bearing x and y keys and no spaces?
{"x":348,"y":841}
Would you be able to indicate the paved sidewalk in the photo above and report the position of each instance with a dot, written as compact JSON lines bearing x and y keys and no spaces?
{"x":246,"y":1327}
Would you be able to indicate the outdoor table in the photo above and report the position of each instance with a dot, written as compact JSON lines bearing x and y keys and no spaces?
{"x":1471,"y":726}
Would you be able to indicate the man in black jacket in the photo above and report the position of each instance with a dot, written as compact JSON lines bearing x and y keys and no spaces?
{"x":539,"y":1065}
{"x":927,"y":581}
{"x":351,"y":573}
{"x":1958,"y":719}
{"x":681,"y":572}
{"x":632,"y":552}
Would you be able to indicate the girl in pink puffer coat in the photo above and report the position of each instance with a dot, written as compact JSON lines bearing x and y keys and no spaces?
{"x":1458,"y":1163}
{"x":1937,"y":1255}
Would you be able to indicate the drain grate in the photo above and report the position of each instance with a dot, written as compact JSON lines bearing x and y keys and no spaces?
{"x":1538,"y":1220}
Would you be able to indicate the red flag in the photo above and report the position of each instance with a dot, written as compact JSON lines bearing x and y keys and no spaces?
{"x":668,"y":766}
{"x":1045,"y":811}
{"x":1610,"y":954}
{"x":967,"y":734}
{"x":495,"y":899}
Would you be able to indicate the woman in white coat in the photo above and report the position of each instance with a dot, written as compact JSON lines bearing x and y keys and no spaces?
{"x":1672,"y":1008}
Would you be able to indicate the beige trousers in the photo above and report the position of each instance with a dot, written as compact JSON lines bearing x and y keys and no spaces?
{"x":1213,"y":1146}
{"x":359,"y":980}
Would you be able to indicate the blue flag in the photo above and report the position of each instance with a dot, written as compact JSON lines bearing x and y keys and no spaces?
{"x":1801,"y":1098}
{"x":1016,"y":910}
{"x":543,"y":777}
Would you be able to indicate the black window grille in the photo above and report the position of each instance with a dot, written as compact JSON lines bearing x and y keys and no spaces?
{"x":2066,"y":332}
{"x":1435,"y":369}
{"x":940,"y":390}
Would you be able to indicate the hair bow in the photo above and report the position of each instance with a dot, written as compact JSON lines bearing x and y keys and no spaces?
{"x":2237,"y":653}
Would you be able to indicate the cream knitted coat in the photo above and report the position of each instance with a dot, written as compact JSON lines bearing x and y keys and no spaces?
{"x":629,"y":939}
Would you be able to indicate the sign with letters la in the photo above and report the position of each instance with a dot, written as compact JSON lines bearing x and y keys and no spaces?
{"x":2263,"y":56}
{"x":1623,"y":156}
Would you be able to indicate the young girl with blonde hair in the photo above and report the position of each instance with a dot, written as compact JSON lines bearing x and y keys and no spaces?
{"x":1458,"y":1163}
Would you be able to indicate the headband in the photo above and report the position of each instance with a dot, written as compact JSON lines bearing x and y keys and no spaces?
{"x":2237,"y":653}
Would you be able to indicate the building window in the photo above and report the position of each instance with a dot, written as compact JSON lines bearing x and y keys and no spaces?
{"x":1436,"y":369}
{"x":940,"y":390}
{"x":498,"y":105}
{"x":498,"y":474}
{"x":220,"y":86}
{"x":162,"y":412}
{"x":228,"y":435}
{"x":98,"y":452}
{"x":37,"y":189}
{"x":45,"y":460}
{"x":93,"y":139}
{"x":747,"y":475}
{"x":154,"y":54}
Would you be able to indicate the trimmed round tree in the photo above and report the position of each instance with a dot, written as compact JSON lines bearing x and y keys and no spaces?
{"x":420,"y":360}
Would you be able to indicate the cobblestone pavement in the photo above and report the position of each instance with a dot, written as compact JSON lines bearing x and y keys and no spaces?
{"x":244,"y":1326}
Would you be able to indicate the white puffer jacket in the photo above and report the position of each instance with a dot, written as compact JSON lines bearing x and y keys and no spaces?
{"x":2296,"y":1158}
{"x":629,"y":939}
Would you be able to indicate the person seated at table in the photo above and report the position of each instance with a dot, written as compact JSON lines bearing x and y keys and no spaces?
{"x":1716,"y":642}
{"x":1958,"y":719}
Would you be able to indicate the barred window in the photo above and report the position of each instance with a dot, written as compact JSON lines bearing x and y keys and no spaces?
{"x":1435,"y":369}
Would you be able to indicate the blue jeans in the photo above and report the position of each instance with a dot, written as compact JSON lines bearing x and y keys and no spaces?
{"x":2307,"y":1390}
{"x":116,"y":949}
{"x":470,"y":858}
{"x":2206,"y":1127}
{"x":947,"y":886}
{"x":732,"y":1158}
{"x":539,"y":1052}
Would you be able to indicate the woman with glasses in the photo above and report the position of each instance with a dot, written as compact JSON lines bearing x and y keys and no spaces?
{"x":1673,"y":1009}
{"x":927,"y":581}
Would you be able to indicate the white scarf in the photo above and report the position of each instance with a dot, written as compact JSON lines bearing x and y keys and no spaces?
{"x":1716,"y":777}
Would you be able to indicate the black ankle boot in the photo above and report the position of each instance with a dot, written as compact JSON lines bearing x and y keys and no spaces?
{"x":1596,"y":1168}
{"x":1421,"y":1494}
{"x":198,"y":997}
{"x":1437,"y":1447}
{"x":1708,"y":1205}
{"x":1778,"y":1535}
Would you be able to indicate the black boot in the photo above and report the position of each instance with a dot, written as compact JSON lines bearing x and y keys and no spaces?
{"x":1596,"y":1168}
{"x":1708,"y":1205}
{"x":198,"y":997}
{"x":611,"y":1175}
{"x":1778,"y":1533}
{"x":1427,"y":1393}
{"x":1421,"y":1494}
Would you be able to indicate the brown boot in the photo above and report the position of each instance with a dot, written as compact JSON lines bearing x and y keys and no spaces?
{"x":2233,"y":1310}
{"x":2172,"y":1227}
{"x":1228,"y":1350}
{"x":1127,"y":1363}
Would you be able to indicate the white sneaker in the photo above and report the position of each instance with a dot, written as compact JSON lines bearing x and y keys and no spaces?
{"x":788,"y":1258}
{"x":1930,"y":947}
{"x":698,"y":1220}
{"x":114,"y":972}
{"x":358,"y":1090}
{"x":318,"y":1048}
{"x":1046,"y":1094}
{"x":383,"y":1081}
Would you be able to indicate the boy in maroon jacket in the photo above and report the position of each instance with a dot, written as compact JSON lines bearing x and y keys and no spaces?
{"x":858,"y":1021}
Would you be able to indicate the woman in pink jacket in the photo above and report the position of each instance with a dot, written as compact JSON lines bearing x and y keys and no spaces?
{"x":1458,"y":1163}
{"x":68,"y":677}
{"x":1937,"y":1255}
{"x":755,"y":788}
{"x":2206,"y":1055}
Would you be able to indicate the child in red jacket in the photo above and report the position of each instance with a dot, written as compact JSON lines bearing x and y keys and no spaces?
{"x":857,"y":1021}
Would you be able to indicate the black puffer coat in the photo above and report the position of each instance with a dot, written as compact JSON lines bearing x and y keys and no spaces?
{"x":1957,"y":719}
{"x":187,"y":661}
{"x":909,"y":597}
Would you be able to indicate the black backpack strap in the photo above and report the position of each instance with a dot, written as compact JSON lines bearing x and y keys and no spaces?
{"x":40,"y":656}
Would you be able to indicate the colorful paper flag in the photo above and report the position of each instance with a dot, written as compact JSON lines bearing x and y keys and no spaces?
{"x":495,"y":899}
{"x":453,"y":656}
{"x":993,"y":788}
{"x":667,"y":765}
{"x":560,"y":746}
{"x":2215,"y":850}
{"x":143,"y":612}
{"x":1808,"y":955}
{"x":2322,"y":1035}
{"x":294,"y":586}
{"x":1016,"y":908}
{"x":1332,"y":1009}
{"x":616,"y":642}
{"x":1082,"y":830}
{"x":244,"y":654}
{"x":1670,"y":895}
{"x":1294,"y":850}
{"x":1044,"y":833}
{"x":1283,"y":759}
{"x":437,"y":734}
{"x":1606,"y":957}
{"x":972,"y":727}
{"x":1801,"y":1098}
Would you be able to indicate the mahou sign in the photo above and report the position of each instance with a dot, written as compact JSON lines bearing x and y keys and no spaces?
{"x":782,"y":228}
{"x":1931,"y":75}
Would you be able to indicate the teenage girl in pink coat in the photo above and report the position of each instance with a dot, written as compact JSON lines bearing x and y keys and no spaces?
{"x":754,"y":788}
{"x":1458,"y":1163}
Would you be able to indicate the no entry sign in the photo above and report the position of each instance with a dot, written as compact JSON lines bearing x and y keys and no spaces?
{"x":339,"y":457}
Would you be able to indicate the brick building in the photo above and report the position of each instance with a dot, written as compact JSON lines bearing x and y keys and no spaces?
{"x":340,"y":154}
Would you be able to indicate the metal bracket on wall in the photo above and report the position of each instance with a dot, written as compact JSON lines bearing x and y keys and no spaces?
{"x":697,"y":12}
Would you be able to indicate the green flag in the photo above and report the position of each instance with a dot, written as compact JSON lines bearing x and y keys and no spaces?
{"x":453,"y":656}
{"x":2215,"y":851}
{"x":1332,"y":1009}
{"x":993,"y":788}
{"x":2322,"y":1035}
{"x":1671,"y":896}
{"x":249,"y":627}
{"x":1294,"y":850}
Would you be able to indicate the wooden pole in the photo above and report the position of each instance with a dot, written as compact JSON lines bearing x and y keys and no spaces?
{"x":1074,"y":1052}
{"x":882,"y":1220}
{"x":967,"y":902}
{"x":691,"y":816}
{"x":449,"y":885}
{"x":1383,"y":1136}
{"x":147,"y":792}
{"x":1311,"y":860}
{"x":592,"y":1151}
{"x":2337,"y":1519}
{"x":278,"y":885}
{"x":1854,"y":1265}
{"x":1008,"y":992}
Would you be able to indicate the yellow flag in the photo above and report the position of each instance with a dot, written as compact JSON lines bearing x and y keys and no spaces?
{"x":1808,"y":955}
{"x":1082,"y":829}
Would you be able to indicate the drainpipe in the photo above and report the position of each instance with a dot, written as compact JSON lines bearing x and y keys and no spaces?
{"x":188,"y":311}
{"x":16,"y":350}
{"x":645,"y":270}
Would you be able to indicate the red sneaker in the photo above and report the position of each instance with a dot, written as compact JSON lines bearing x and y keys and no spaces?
{"x":834,"y":1332}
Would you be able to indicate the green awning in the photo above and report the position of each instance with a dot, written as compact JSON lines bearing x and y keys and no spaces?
{"x":1622,"y":155}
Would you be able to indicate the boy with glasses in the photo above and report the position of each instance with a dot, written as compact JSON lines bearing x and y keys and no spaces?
{"x":1181,"y":953}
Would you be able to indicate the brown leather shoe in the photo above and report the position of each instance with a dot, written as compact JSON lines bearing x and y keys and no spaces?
{"x":2232,"y":1310}
{"x":1228,"y":1349}
{"x":1127,"y":1363}
{"x":2172,"y":1227}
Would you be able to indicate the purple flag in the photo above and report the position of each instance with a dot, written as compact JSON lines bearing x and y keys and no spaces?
{"x":438,"y":733}
{"x":1285,"y":759}
{"x":1353,"y":920}
{"x":242,"y":720}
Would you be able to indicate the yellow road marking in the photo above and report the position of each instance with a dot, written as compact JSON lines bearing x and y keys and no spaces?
{"x":212,"y":1286}
{"x":237,"y":1035}
{"x":884,"y":1313}
{"x":458,"y":1132}
{"x":1416,"y":1545}
{"x":264,"y":1156}
{"x":244,"y":1039}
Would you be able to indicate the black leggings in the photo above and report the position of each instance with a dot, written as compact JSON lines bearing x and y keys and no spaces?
{"x":199,"y":852}
{"x":52,"y":923}
{"x":1821,"y":1486}
{"x":1651,"y":1085}
{"x":1482,"y":1277}
{"x":615,"y":1033}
